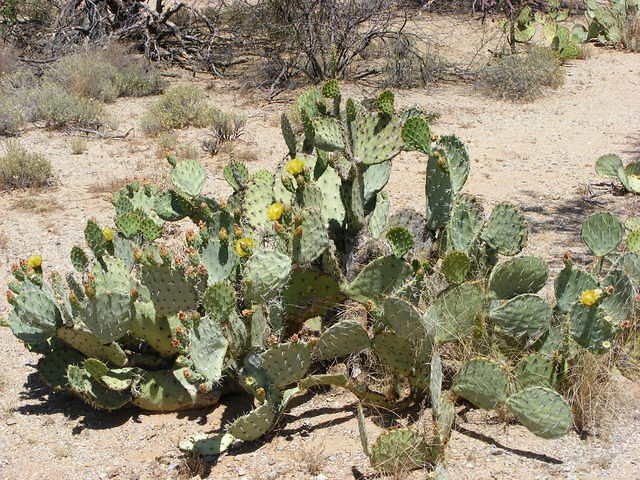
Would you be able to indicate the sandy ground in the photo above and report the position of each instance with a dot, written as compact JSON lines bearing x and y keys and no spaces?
{"x":539,"y":156}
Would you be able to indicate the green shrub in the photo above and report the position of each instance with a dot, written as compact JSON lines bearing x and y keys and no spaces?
{"x":78,"y":145}
{"x":22,"y":169}
{"x":179,"y":107}
{"x":58,"y":108}
{"x":522,"y":76}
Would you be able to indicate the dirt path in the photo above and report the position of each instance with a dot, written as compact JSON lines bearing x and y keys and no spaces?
{"x":539,"y":156}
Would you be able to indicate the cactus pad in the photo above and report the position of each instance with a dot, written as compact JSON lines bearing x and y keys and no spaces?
{"x":591,"y":327}
{"x":506,"y":230}
{"x":517,"y":276}
{"x":455,"y":266}
{"x":405,"y":319}
{"x":525,"y":317}
{"x":542,"y":411}
{"x":341,"y":339}
{"x":569,"y":284}
{"x":254,"y":424}
{"x":310,"y":293}
{"x":535,"y":370}
{"x":286,"y":363}
{"x":381,"y":277}
{"x":400,"y":450}
{"x":602,"y":232}
{"x":482,"y":382}
{"x":188,"y":176}
{"x":453,"y":316}
{"x":375,"y":138}
{"x":83,"y":341}
{"x":400,"y":240}
{"x":619,"y":304}
{"x":265,"y":273}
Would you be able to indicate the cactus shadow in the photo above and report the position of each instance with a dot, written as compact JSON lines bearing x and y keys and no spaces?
{"x":43,"y":401}
{"x":541,"y":457}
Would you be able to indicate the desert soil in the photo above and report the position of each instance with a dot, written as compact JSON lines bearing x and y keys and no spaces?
{"x":540,"y":156}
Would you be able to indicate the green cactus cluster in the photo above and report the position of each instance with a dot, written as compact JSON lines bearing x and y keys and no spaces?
{"x":611,"y":166}
{"x":229,"y":307}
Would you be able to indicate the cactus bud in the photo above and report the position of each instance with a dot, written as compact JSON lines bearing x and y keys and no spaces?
{"x":244,"y":247}
{"x":261,"y":394}
{"x":277,"y":226}
{"x":223,"y":235}
{"x":202,"y":225}
{"x":164,"y":251}
{"x":610,"y":289}
{"x":187,"y":373}
{"x":89,"y":290}
{"x":202,"y":270}
{"x":297,"y":232}
{"x":134,"y":293}
{"x":294,"y":338}
{"x":190,"y":235}
{"x":247,"y":312}
{"x":182,"y":316}
{"x":73,"y":299}
{"x":369,"y":305}
{"x":203,"y":388}
{"x":10,"y":296}
{"x":272,"y":340}
{"x":287,"y":181}
{"x":237,"y":230}
{"x":137,"y":254}
{"x":301,"y":180}
{"x":175,"y":343}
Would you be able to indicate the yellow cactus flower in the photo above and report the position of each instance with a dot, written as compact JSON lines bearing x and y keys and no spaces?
{"x":295,"y":166}
{"x":275,"y":211}
{"x":244,"y":246}
{"x":590,"y":297}
{"x":108,"y":234}
{"x":34,"y":261}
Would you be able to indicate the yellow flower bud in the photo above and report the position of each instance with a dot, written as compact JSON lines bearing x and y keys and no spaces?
{"x":590,"y":297}
{"x":244,"y":247}
{"x":34,"y":261}
{"x":295,"y":166}
{"x":274,"y":212}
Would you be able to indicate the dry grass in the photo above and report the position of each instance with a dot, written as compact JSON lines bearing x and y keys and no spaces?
{"x":20,"y":168}
{"x":8,"y":62}
{"x":313,"y":458}
{"x":521,"y":77}
{"x":78,"y":145}
{"x":588,"y":389}
{"x":37,"y":205}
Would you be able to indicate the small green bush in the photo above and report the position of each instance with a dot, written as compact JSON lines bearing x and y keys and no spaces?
{"x":78,"y":145}
{"x":22,"y":169}
{"x":179,"y":107}
{"x":408,"y":67}
{"x":523,"y":76}
{"x":58,"y":108}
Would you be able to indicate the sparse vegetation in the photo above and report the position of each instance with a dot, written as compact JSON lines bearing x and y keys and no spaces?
{"x":521,"y":77}
{"x":37,"y":205}
{"x":20,"y":168}
{"x":179,"y":107}
{"x":78,"y":145}
{"x":228,"y":126}
{"x":408,"y":66}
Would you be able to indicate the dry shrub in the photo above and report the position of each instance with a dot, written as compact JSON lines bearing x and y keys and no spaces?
{"x":18,"y":105}
{"x":8,"y":61}
{"x":522,"y":77}
{"x":228,"y":126}
{"x":21,"y":169}
{"x":179,"y":107}
{"x":631,"y":33}
{"x":313,"y":458}
{"x":37,"y":205}
{"x":106,"y":74}
{"x":59,"y":108}
{"x":407,"y":66}
{"x":78,"y":145}
{"x":588,"y":389}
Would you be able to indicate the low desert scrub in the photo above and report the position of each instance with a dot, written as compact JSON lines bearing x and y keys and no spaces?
{"x":313,"y":458}
{"x":106,"y":74}
{"x":37,"y":205}
{"x":78,"y":145}
{"x":179,"y":107}
{"x":521,"y":77}
{"x":21,"y":169}
{"x":18,"y":105}
{"x":59,"y":108}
